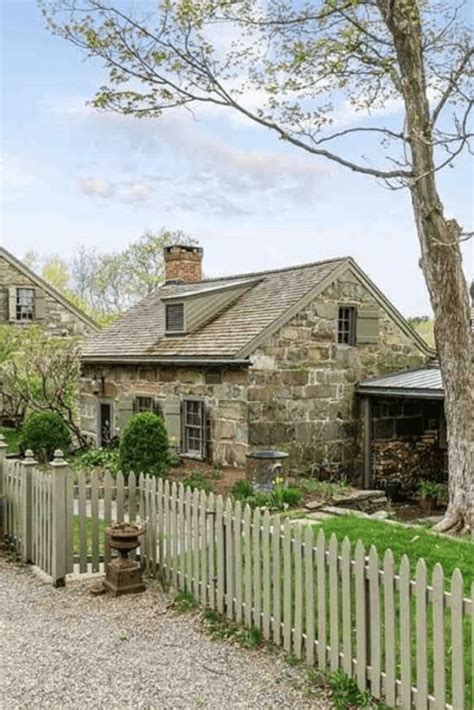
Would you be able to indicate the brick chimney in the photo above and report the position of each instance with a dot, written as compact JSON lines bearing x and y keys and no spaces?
{"x":183,"y":264}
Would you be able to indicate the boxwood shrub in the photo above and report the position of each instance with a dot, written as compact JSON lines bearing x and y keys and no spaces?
{"x":144,"y":445}
{"x":44,"y":432}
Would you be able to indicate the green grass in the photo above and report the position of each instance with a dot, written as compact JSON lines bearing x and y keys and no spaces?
{"x":76,"y":535}
{"x":425,"y":329}
{"x":415,"y":542}
{"x":12,"y":437}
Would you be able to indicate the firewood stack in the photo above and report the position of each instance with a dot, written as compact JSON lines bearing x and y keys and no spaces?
{"x":409,"y":462}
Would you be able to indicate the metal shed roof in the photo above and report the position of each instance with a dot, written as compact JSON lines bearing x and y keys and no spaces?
{"x":422,"y":383}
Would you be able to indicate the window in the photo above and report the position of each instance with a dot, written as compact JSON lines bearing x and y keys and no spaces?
{"x":346,"y":325}
{"x":25,"y":303}
{"x":193,"y":425}
{"x":174,"y":317}
{"x":144,"y":404}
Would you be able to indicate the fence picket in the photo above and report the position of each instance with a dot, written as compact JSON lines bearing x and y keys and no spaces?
{"x":69,"y":524}
{"x":120,"y":495}
{"x":405,"y":651}
{"x":257,"y":585}
{"x":211,"y":523}
{"x":287,"y":586}
{"x":174,"y":535}
{"x":181,"y":536}
{"x":360,"y":616}
{"x":389,"y":627}
{"x":439,"y":664}
{"x":107,"y":514}
{"x":220,"y":555}
{"x":160,"y":524}
{"x":132,"y":497}
{"x":309,"y":594}
{"x":204,"y":547}
{"x":346,"y":606}
{"x":276,"y":553}
{"x":95,"y":520}
{"x":333,"y":603}
{"x":82,"y":510}
{"x":374,"y":626}
{"x":196,"y":550}
{"x":298,"y":593}
{"x":266,"y":574}
{"x":421,"y":640}
{"x":248,"y":565}
{"x":189,"y":541}
{"x":152,"y":518}
{"x":237,"y":541}
{"x":457,"y":640}
{"x":321,"y":596}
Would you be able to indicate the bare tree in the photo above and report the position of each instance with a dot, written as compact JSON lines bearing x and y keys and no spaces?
{"x":303,"y":59}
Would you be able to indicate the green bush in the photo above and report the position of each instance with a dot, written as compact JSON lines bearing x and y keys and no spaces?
{"x":241,"y":490}
{"x":44,"y":432}
{"x":279,"y":498}
{"x":144,"y":445}
{"x":104,"y":458}
{"x":197,"y":481}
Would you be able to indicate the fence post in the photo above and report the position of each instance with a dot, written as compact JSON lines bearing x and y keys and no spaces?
{"x":27,"y":467}
{"x":3,"y":456}
{"x":60,"y":472}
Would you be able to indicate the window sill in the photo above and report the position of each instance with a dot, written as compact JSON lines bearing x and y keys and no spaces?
{"x":195,"y":457}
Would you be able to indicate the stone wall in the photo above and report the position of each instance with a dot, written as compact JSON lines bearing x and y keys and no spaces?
{"x":57,"y":319}
{"x":224,"y":392}
{"x":301,"y":388}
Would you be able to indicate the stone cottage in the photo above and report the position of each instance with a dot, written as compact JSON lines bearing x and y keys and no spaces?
{"x":254,"y":360}
{"x":26,"y":299}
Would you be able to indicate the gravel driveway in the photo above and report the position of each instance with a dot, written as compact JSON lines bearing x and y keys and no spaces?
{"x":66,"y":649}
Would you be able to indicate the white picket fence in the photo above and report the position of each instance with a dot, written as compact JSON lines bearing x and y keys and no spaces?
{"x":409,"y":641}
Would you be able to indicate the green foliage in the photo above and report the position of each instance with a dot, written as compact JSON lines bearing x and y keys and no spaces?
{"x":431,"y":489}
{"x":280,"y":498}
{"x":346,"y":694}
{"x":44,"y":432}
{"x":144,"y":445}
{"x":12,"y":439}
{"x":241,"y":490}
{"x":184,"y":602}
{"x":197,"y":481}
{"x":103,"y":458}
{"x":322,"y":489}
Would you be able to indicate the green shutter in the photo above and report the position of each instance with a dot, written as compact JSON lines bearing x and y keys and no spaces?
{"x":125,"y":411}
{"x":172,"y":417}
{"x":40,"y":305}
{"x":12,"y":303}
{"x":367,"y":326}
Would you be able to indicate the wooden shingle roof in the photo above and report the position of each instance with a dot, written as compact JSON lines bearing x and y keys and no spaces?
{"x":140,"y":333}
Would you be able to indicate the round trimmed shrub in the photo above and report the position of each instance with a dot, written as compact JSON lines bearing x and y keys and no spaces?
{"x":144,"y":445}
{"x":44,"y":432}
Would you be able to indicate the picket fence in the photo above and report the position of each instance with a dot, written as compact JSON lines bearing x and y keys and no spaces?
{"x":407,"y":641}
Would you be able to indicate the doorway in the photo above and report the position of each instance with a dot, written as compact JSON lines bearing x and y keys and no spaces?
{"x":105,"y":428}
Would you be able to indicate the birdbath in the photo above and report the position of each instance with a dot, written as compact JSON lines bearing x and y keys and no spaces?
{"x":265,"y":468}
{"x":123,"y":575}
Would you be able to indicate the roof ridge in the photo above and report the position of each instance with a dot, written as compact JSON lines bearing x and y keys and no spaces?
{"x":277,"y":271}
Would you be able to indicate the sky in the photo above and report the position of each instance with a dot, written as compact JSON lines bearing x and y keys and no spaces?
{"x":72,"y":176}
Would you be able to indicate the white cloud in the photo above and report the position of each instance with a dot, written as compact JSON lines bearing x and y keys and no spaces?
{"x":15,"y":175}
{"x":96,"y":186}
{"x":119,"y":190}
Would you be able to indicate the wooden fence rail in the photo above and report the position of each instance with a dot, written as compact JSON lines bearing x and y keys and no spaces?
{"x":402,"y":633}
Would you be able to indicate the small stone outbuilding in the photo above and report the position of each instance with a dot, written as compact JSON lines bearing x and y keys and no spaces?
{"x":27,"y":299}
{"x":261,"y":359}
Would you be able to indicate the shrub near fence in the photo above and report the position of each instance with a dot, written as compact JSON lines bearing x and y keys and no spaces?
{"x":408,"y":641}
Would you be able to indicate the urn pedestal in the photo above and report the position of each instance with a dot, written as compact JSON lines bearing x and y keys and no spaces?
{"x":123,"y":575}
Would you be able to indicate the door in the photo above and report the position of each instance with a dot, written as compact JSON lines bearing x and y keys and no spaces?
{"x":105,"y":423}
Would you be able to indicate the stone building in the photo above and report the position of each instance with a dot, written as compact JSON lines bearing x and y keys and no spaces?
{"x":255,"y":360}
{"x":26,"y":299}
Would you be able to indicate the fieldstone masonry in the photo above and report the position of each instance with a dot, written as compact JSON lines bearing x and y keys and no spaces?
{"x":55,"y":318}
{"x":297,"y":395}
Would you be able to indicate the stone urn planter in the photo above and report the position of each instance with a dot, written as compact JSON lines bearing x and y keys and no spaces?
{"x":123,"y":575}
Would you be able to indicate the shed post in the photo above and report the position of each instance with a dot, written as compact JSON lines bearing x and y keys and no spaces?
{"x":367,"y":445}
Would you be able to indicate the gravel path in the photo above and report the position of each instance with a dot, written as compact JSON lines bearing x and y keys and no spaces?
{"x":66,"y":649}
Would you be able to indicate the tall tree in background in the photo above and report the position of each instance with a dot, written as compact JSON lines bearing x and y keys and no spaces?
{"x":306,"y":59}
{"x":105,"y":285}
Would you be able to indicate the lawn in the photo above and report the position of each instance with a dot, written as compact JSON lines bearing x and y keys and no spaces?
{"x":76,"y":535}
{"x":415,"y":542}
{"x":12,"y":437}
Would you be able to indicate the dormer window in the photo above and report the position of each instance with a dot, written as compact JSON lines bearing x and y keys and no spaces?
{"x":175,"y":317}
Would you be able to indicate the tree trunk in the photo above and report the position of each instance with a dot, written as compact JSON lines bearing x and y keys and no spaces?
{"x":441,"y":264}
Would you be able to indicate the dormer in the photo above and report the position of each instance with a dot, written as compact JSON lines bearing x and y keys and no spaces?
{"x":188,"y":311}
